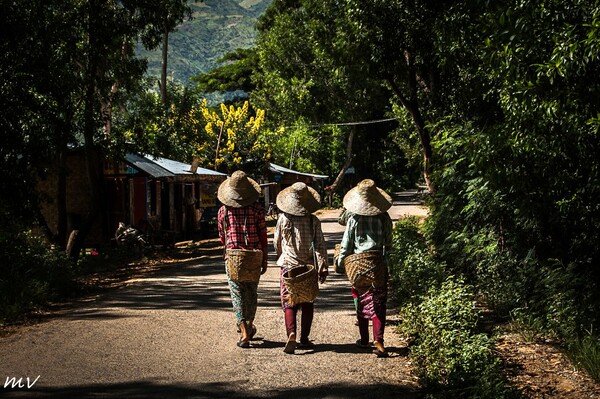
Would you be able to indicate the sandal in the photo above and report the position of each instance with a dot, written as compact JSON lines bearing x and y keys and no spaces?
{"x":290,"y":345}
{"x":361,"y":345}
{"x":379,"y":353}
{"x":379,"y":349}
{"x":252,"y":333}
{"x":243,"y":344}
{"x":305,"y":345}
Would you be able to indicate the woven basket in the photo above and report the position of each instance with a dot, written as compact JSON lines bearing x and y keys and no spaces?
{"x":336,"y":255}
{"x":244,"y":265}
{"x":365,"y":270}
{"x":301,"y":283}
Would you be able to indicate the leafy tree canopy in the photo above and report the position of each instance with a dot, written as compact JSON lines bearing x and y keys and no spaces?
{"x":236,"y":74}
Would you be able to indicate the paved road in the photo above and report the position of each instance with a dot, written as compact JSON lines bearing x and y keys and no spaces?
{"x":171,"y":333}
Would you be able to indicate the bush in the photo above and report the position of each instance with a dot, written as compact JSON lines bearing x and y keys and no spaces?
{"x":336,"y":201}
{"x":585,"y":353}
{"x":448,"y":354}
{"x":549,"y":297}
{"x":505,"y":282}
{"x":32,"y":274}
{"x":412,"y":269}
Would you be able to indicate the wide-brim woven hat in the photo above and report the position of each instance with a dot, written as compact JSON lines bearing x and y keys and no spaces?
{"x":298,"y":200}
{"x":367,"y":199}
{"x":238,"y":190}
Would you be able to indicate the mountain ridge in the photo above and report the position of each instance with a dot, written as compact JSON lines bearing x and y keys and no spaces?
{"x":216,"y":28}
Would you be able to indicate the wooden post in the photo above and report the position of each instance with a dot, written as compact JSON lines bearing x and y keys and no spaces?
{"x":71,"y":242}
{"x":131,"y":201}
{"x":158,"y":203}
{"x":171,"y":206}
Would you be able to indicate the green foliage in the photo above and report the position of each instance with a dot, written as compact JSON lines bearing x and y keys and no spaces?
{"x":585,"y":353}
{"x":31,"y":275}
{"x":515,"y":197}
{"x":38,"y":94}
{"x":440,"y":317}
{"x":506,"y":283}
{"x":557,"y":301}
{"x":324,"y":81}
{"x":406,"y":140}
{"x":529,"y":327}
{"x":336,"y":201}
{"x":413,"y":271}
{"x":68,"y":68}
{"x":447,"y":352}
{"x":236,"y":75}
{"x":306,"y":149}
{"x":517,"y":175}
{"x":152,"y":128}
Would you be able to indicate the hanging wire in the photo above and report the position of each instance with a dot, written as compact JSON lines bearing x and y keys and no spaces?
{"x":348,"y":123}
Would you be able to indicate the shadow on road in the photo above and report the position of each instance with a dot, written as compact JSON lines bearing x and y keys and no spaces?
{"x":233,"y":389}
{"x":181,"y":289}
{"x":199,"y":283}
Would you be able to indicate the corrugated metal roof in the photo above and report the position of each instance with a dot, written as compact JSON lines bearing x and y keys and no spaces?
{"x":175,"y":167}
{"x":147,"y":166}
{"x":281,"y":169}
{"x":163,"y":167}
{"x":180,"y":168}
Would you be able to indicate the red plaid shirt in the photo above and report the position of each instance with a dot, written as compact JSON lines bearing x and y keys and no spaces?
{"x":246,"y":227}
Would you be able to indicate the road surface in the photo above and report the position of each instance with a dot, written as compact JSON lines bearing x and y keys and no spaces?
{"x":171,"y":333}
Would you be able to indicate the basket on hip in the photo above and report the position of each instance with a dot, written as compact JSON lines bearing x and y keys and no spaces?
{"x":365,"y":269}
{"x":244,"y":265}
{"x":301,"y":284}
{"x":336,"y":255}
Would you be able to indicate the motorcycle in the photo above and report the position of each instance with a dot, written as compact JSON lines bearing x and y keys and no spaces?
{"x":130,"y":237}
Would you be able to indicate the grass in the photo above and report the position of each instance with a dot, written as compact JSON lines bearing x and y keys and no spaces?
{"x":586,"y":354}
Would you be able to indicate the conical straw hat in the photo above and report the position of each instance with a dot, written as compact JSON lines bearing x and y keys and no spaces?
{"x":367,"y":200}
{"x":238,"y":190}
{"x":298,"y":200}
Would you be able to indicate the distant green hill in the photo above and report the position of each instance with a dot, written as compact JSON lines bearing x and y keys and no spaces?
{"x":217,"y":27}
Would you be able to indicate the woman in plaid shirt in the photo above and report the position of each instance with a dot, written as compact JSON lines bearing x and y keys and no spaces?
{"x":241,"y":224}
{"x":368,"y":228}
{"x":298,"y":241}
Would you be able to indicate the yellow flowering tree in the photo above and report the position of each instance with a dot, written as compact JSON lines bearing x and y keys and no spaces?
{"x":233,"y":139}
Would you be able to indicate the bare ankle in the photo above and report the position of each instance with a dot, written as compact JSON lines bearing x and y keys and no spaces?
{"x":244,"y":331}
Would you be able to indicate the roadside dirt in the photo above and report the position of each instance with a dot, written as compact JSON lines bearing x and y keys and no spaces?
{"x":539,"y":370}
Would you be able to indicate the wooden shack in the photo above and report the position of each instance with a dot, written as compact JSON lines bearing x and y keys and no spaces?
{"x":153,"y":194}
{"x":278,"y":177}
{"x":159,"y":194}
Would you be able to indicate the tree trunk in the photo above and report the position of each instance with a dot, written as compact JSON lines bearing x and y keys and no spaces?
{"x":412,"y":106}
{"x":61,"y":197}
{"x":106,"y":103}
{"x":89,"y":128}
{"x":64,"y":128}
{"x":163,"y":72}
{"x":219,"y":144}
{"x":331,"y":189}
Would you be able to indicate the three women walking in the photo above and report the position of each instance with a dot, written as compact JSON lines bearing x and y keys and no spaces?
{"x":302,"y":256}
